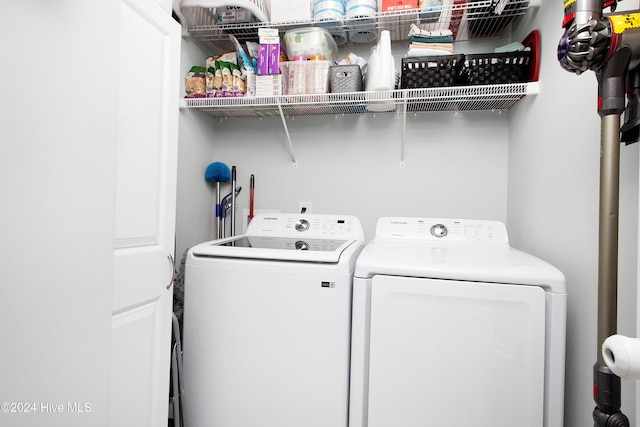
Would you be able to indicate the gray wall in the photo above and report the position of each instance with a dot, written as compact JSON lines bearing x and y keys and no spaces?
{"x":455,"y":165}
{"x":352,"y":164}
{"x":553,"y":206}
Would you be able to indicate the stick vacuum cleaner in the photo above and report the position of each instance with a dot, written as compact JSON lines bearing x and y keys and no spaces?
{"x":610,"y":46}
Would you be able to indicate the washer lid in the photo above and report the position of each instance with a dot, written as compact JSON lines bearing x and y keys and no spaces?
{"x":289,"y":237}
{"x":465,"y":250}
{"x":275,"y":248}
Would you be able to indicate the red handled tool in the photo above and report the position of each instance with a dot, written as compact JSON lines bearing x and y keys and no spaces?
{"x":252,"y":185}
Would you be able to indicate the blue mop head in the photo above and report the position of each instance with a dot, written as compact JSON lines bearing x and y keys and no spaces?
{"x":217,"y":172}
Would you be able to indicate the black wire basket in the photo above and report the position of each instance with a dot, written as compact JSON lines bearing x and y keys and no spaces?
{"x":431,"y":71}
{"x":496,"y":68}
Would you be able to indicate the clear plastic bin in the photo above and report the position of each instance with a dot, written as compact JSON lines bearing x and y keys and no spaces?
{"x":309,"y":42}
{"x":205,"y":12}
{"x":305,"y":77}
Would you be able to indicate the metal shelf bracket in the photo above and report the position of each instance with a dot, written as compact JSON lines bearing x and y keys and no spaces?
{"x":286,"y":131}
{"x":404,"y":131}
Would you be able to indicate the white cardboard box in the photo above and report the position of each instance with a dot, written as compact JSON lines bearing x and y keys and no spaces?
{"x":269,"y":85}
{"x":289,"y":10}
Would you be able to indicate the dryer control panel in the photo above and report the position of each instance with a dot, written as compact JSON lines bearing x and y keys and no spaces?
{"x":443,"y":229}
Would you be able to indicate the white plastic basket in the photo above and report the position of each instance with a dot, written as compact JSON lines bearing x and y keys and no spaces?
{"x":203,"y":12}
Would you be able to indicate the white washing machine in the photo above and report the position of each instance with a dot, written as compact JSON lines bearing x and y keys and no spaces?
{"x":453,"y":327}
{"x":267,"y":320}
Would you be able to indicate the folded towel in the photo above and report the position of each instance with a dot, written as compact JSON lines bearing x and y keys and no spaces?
{"x":511,"y":47}
{"x":413,"y":53}
{"x":414,"y":30}
{"x":438,"y":46}
{"x":443,"y":39}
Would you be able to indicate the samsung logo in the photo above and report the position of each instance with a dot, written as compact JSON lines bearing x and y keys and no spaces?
{"x":399,"y":222}
{"x":270,"y":218}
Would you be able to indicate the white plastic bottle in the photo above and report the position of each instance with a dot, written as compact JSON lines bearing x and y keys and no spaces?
{"x":381,"y":73}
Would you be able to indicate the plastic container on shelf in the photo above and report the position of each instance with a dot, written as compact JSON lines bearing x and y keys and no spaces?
{"x":329,"y":9}
{"x":294,"y":76}
{"x":497,"y":68}
{"x":358,"y":8}
{"x":310,"y":41}
{"x":381,"y":67}
{"x":331,"y":14}
{"x":381,"y":72}
{"x":345,"y":78}
{"x":305,"y":77}
{"x":361,"y":14}
{"x":205,"y":12}
{"x":431,"y":71}
{"x":318,"y":76}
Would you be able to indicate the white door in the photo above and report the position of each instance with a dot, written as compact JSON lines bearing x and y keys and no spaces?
{"x":145,"y":215}
{"x":448,"y":353}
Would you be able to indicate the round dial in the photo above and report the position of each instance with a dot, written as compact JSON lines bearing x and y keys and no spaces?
{"x":302,"y":225}
{"x":439,"y":230}
{"x":302,"y":246}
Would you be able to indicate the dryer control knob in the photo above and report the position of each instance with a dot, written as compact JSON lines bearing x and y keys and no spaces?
{"x":302,"y":225}
{"x":439,"y":230}
{"x":302,"y":246}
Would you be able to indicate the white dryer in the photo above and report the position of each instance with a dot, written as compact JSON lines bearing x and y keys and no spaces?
{"x":453,"y":327}
{"x":267,"y":318}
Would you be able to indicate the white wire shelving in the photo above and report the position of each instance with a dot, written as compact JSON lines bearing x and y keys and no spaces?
{"x":468,"y":20}
{"x":402,"y":102}
{"x":453,"y":98}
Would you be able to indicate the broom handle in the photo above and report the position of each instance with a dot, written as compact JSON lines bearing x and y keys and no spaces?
{"x":218,"y":212}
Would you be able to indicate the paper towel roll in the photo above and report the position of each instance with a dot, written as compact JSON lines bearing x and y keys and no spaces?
{"x":622,"y":356}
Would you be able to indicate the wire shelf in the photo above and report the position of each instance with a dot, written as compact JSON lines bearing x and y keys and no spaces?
{"x":468,"y":20}
{"x":455,"y":98}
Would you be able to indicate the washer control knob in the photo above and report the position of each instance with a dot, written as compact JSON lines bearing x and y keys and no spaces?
{"x":302,"y":225}
{"x":302,"y":246}
{"x":439,"y":230}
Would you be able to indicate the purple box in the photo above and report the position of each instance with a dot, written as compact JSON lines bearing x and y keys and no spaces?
{"x":263,"y":59}
{"x":274,"y":59}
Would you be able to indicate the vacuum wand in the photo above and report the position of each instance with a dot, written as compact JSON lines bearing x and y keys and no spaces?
{"x":611,"y":93}
{"x":608,"y":231}
{"x":611,"y":90}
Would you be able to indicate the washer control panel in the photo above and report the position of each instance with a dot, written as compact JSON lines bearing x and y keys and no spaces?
{"x":442,"y":229}
{"x":306,"y":225}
